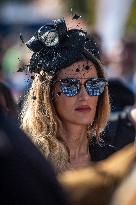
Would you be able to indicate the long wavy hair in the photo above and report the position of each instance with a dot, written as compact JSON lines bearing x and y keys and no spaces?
{"x":40,"y":121}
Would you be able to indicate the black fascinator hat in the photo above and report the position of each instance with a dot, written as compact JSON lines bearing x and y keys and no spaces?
{"x":55,"y":47}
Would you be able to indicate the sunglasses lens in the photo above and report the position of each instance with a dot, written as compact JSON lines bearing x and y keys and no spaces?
{"x":95,"y":87}
{"x":70,"y":87}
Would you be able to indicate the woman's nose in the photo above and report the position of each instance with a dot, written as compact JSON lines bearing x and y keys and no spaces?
{"x":83,"y":95}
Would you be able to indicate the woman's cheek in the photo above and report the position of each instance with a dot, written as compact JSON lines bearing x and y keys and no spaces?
{"x":63,"y":106}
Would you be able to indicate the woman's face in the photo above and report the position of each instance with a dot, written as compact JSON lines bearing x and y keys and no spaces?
{"x":79,"y":109}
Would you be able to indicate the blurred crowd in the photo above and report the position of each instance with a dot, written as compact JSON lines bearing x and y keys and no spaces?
{"x":120,"y":69}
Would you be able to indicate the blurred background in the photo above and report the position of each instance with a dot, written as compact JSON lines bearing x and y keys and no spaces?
{"x":113,"y":24}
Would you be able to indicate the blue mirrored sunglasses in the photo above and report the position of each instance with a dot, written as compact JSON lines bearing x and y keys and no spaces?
{"x":71,"y":86}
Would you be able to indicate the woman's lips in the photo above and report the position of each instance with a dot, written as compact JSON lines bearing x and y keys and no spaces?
{"x":83,"y":109}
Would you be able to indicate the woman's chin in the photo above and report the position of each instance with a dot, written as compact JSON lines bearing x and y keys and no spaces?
{"x":84,"y":122}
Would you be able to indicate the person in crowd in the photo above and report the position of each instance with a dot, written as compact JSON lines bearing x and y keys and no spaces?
{"x":25,"y":175}
{"x":97,"y":184}
{"x":118,"y":92}
{"x":122,"y":121}
{"x":7,"y":101}
{"x":128,"y":61}
{"x":121,"y":62}
{"x":67,"y":106}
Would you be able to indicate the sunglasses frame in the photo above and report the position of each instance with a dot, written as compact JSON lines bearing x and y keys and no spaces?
{"x":78,"y":80}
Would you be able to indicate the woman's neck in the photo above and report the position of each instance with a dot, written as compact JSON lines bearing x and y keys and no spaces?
{"x":75,"y":137}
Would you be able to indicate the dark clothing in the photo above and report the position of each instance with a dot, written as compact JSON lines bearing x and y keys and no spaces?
{"x":117,"y":134}
{"x":25,"y":176}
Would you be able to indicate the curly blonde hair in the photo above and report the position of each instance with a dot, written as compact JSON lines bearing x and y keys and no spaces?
{"x":40,"y":121}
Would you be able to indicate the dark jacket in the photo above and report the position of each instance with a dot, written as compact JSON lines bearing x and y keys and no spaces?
{"x":25,"y":176}
{"x":119,"y":133}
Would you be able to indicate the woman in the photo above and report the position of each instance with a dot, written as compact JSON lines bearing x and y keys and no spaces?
{"x":68,"y":102}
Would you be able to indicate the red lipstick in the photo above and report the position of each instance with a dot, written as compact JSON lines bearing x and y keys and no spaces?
{"x":83,"y":108}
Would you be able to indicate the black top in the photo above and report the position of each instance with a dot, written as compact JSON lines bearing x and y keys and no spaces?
{"x":117,"y":134}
